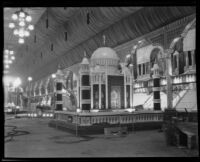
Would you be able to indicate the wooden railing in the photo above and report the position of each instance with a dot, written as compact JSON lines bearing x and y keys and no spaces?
{"x":88,"y":119}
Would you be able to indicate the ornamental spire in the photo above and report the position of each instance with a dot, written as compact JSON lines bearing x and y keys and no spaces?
{"x":104,"y":40}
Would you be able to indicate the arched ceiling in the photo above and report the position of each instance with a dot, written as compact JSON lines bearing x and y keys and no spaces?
{"x":119,"y":24}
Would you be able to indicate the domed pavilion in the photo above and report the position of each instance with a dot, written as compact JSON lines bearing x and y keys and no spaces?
{"x":102,"y":75}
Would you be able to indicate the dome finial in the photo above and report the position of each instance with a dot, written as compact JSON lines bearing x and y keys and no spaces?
{"x":85,"y":55}
{"x":104,"y":40}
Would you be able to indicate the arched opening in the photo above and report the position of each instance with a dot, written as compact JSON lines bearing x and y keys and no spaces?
{"x":156,"y":55}
{"x":178,"y":56}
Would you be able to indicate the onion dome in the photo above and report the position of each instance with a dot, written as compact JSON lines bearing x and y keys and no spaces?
{"x":105,"y":59}
{"x":104,"y":56}
{"x":84,"y":65}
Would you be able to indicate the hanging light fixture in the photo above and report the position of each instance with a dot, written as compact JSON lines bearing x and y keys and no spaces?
{"x":21,"y":25}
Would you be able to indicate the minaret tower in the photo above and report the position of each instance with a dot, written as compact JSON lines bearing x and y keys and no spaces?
{"x":84,"y":84}
{"x":59,"y":86}
{"x":156,"y":87}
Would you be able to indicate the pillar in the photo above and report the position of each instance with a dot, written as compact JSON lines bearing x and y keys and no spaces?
{"x":192,"y":53}
{"x":131,"y":85}
{"x":141,"y":69}
{"x":106,"y":89}
{"x":58,"y":87}
{"x":91,"y":92}
{"x":169,"y":79}
{"x":59,"y":99}
{"x":186,"y":60}
{"x":177,"y":60}
{"x":156,"y":87}
{"x":80,"y":92}
{"x":99,"y":91}
{"x":125,"y":100}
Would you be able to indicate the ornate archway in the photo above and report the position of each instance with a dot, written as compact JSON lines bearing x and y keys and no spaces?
{"x":177,"y":46}
{"x":156,"y":54}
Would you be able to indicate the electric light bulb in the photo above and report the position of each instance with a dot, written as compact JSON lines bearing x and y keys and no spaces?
{"x":11,"y":52}
{"x":6,"y":66}
{"x":28,"y":18}
{"x":21,"y":23}
{"x":21,"y":14}
{"x":53,"y":75}
{"x":13,"y":57}
{"x":26,"y":33}
{"x":21,"y":40}
{"x":30,"y":27}
{"x":21,"y":33}
{"x":10,"y":61}
{"x":29,"y":78}
{"x":14,"y":16}
{"x":11,"y":25}
{"x":15,"y":32}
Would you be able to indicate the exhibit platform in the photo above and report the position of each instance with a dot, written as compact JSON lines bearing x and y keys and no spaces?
{"x":96,"y":122}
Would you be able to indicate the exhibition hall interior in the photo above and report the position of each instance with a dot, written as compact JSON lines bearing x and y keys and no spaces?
{"x":100,"y":82}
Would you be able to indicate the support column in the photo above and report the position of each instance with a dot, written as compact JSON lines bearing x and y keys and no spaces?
{"x":131,"y":92}
{"x":106,"y":90}
{"x":81,"y":92}
{"x":186,"y":60}
{"x":131,"y":85}
{"x":99,"y":91}
{"x":141,"y":69}
{"x":78,"y":93}
{"x":177,"y":59}
{"x":169,"y":87}
{"x":125,"y":100}
{"x":156,"y":87}
{"x":59,"y":102}
{"x":138,"y":74}
{"x":192,"y":53}
{"x":169,"y":79}
{"x":91,"y":94}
